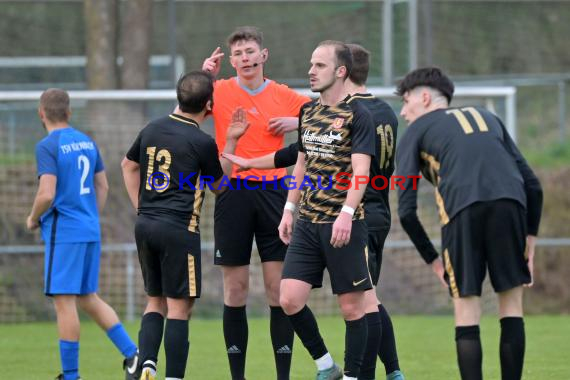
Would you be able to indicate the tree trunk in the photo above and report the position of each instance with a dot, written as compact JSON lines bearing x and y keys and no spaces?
{"x":101,"y":19}
{"x":135,"y":44}
{"x":100,"y":116}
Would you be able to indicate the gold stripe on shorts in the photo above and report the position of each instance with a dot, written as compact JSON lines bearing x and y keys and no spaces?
{"x":451,"y":274}
{"x":368,"y":266}
{"x":191,"y":276}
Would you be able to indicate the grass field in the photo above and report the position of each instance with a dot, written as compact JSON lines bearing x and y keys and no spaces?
{"x":425,"y":344}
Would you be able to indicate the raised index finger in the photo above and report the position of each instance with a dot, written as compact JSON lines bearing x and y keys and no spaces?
{"x":216,"y":57}
{"x":217,"y":51}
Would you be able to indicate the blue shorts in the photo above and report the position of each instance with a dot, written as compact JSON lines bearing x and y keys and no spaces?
{"x":71,"y":268}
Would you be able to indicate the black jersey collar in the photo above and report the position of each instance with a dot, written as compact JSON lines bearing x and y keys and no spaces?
{"x":184,"y":120}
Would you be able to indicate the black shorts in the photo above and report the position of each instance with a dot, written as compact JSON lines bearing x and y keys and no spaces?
{"x":485,"y":235}
{"x":376,"y":239}
{"x":310,"y":252}
{"x":242,"y":214}
{"x":169,"y":256}
{"x":378,"y":220}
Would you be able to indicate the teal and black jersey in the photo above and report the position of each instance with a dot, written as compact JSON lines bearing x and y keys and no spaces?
{"x":468,"y":155}
{"x":173,"y":153}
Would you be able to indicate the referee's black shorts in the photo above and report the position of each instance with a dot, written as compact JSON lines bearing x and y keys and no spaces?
{"x":486,"y":236}
{"x":310,"y":251}
{"x":242,"y":214}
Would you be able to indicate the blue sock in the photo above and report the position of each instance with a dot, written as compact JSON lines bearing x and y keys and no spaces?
{"x":122,"y":341}
{"x":69,"y":353}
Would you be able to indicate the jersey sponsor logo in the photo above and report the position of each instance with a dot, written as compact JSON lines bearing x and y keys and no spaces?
{"x":234,"y":350}
{"x":338,"y":123}
{"x":356,"y":283}
{"x":335,"y":136}
{"x":253,"y":111}
{"x":313,"y":137}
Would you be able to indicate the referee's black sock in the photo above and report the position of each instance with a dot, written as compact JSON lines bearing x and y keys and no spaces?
{"x":282,"y":336}
{"x":387,"y":350}
{"x":354,"y":346}
{"x":235,"y":335}
{"x":176,"y":347}
{"x":368,"y":368}
{"x":150,"y":336}
{"x":512,"y":347}
{"x":305,"y":325}
{"x":469,"y":353}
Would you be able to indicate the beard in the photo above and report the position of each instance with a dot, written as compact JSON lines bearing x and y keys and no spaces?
{"x":322,"y":87}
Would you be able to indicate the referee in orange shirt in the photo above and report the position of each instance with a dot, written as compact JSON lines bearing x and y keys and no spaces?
{"x":253,"y":207}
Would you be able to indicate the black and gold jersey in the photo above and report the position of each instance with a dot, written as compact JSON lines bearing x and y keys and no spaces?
{"x":173,"y":153}
{"x":376,"y":201}
{"x":468,"y":155}
{"x":329,"y":135}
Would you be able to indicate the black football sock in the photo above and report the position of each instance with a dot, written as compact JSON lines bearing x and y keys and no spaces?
{"x":512,"y":347}
{"x":354,"y":346}
{"x":305,"y":325}
{"x":368,"y":368}
{"x":469,"y":353}
{"x":282,"y":336}
{"x":150,"y":336}
{"x":176,"y":347}
{"x":387,"y":351}
{"x":236,"y":335}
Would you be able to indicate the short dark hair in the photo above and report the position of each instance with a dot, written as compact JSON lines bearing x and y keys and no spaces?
{"x":55,"y":104}
{"x":194,"y":90}
{"x":245,"y":33}
{"x":342,"y":54}
{"x":431,"y":77}
{"x":360,"y":64}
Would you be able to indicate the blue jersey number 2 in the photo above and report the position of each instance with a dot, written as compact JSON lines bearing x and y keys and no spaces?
{"x":83,"y":161}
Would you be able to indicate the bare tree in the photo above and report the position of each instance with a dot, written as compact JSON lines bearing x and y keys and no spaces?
{"x":135,"y":43}
{"x":101,"y":25}
{"x":116,"y":123}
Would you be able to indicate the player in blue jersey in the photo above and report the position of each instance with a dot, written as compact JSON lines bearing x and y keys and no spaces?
{"x":72,"y":191}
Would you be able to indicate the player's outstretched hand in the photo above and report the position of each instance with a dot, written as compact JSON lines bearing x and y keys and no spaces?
{"x":213,"y":63}
{"x":530,"y":244}
{"x":286,"y":227}
{"x":437,"y":267}
{"x":281,"y":125}
{"x":341,"y":230}
{"x":31,"y":224}
{"x":238,"y":125}
{"x":243,"y":164}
